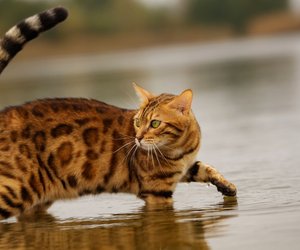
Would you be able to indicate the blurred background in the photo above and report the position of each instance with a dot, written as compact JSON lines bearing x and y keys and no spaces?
{"x":152,"y":42}
{"x":107,"y":25}
{"x":242,"y":60}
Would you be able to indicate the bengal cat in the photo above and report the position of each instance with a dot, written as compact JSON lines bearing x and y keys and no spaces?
{"x":54,"y":149}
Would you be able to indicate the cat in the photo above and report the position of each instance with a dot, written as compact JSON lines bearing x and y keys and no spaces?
{"x":63,"y":148}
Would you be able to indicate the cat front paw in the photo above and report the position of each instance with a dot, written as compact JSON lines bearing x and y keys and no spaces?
{"x":224,"y":186}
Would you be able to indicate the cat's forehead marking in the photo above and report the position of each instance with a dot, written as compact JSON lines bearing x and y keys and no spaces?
{"x":154,"y":103}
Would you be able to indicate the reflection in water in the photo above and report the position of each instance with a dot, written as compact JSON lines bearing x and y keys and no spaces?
{"x":150,"y":228}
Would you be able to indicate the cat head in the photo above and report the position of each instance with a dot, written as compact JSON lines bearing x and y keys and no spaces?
{"x":163,"y":120}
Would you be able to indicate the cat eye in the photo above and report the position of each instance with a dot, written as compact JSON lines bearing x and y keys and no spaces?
{"x":155,"y":123}
{"x":137,"y":122}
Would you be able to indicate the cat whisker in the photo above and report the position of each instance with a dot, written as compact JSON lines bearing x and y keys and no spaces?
{"x":133,"y":154}
{"x":126,"y":144}
{"x":161,"y":153}
{"x":148,"y":152}
{"x":157,"y":158}
{"x":153,"y":165}
{"x":124,"y":137}
{"x":128,"y":153}
{"x":162,"y":170}
{"x":133,"y":148}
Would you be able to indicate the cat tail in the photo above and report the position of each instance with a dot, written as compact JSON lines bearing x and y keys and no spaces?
{"x":26,"y":30}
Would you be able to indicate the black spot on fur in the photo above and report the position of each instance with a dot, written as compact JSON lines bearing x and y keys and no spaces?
{"x":92,"y":155}
{"x":37,"y":111}
{"x":88,"y":171}
{"x":5,"y":148}
{"x":14,"y":136}
{"x":72,"y":180}
{"x":21,"y":164}
{"x":42,"y":181}
{"x":26,"y":132}
{"x":5,"y":213}
{"x":55,"y":107}
{"x":192,"y":172}
{"x":11,"y":191}
{"x":61,"y":129}
{"x":22,"y":112}
{"x":106,"y":125}
{"x":5,"y":164}
{"x":82,"y":122}
{"x":26,"y":196}
{"x":8,"y":175}
{"x":78,"y":107}
{"x":90,"y":136}
{"x":99,"y":189}
{"x":25,"y":150}
{"x":11,"y":203}
{"x":34,"y":185}
{"x":103,"y":144}
{"x":114,"y":190}
{"x":63,"y":183}
{"x":101,"y":110}
{"x":85,"y":192}
{"x":51,"y":164}
{"x":121,"y":120}
{"x":113,"y":161}
{"x":39,"y":140}
{"x":43,"y":166}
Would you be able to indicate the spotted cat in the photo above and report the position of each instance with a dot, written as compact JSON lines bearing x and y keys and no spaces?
{"x":63,"y":148}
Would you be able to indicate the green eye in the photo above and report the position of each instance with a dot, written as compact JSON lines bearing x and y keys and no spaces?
{"x":155,"y":123}
{"x":137,"y":122}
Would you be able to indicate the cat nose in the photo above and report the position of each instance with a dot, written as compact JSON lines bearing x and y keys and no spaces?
{"x":137,"y":141}
{"x":139,"y":137}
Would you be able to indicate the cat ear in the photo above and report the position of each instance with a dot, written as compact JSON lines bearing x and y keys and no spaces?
{"x":143,"y":94}
{"x":183,"y":102}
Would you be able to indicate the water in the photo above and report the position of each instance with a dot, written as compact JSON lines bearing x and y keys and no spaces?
{"x":247,"y":100}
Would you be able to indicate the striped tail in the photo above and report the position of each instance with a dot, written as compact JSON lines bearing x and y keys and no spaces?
{"x":28,"y":29}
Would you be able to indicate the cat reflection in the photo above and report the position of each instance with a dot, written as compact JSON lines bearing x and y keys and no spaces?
{"x":151,"y":228}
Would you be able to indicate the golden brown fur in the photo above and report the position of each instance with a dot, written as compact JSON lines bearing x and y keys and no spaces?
{"x":63,"y":148}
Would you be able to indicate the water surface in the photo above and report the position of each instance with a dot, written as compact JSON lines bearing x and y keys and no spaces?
{"x":247,"y":100}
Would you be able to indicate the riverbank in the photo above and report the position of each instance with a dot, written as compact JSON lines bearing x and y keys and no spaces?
{"x":267,"y":25}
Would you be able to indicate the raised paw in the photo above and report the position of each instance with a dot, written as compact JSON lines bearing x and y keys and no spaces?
{"x":225,"y":187}
{"x":201,"y":172}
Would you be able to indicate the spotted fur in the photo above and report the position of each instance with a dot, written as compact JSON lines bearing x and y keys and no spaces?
{"x":54,"y":149}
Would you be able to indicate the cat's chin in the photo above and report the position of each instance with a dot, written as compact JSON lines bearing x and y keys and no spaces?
{"x":147,"y":147}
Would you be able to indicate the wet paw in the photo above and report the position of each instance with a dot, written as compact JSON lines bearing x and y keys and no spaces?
{"x":226,"y":188}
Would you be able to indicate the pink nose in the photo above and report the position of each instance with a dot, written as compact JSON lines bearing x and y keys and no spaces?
{"x":139,"y":137}
{"x":137,"y":142}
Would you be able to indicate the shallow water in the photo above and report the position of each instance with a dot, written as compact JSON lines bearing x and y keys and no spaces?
{"x":247,"y":100}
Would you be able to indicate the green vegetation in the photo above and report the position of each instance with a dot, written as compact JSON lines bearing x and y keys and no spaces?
{"x":113,"y":16}
{"x":236,"y":13}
